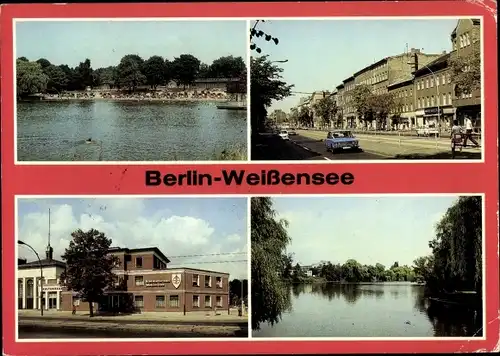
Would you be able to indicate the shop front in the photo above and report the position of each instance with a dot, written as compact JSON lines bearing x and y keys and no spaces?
{"x":436,"y":117}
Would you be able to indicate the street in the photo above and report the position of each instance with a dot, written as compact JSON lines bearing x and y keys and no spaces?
{"x":309,"y":145}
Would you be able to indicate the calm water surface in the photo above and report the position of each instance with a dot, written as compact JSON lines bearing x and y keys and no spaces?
{"x":368,"y":310}
{"x":126,"y":131}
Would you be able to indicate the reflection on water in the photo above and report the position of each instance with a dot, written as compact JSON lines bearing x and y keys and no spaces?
{"x":126,"y":131}
{"x":369,"y":310}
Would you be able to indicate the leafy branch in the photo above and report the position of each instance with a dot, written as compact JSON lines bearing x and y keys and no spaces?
{"x":256,"y":33}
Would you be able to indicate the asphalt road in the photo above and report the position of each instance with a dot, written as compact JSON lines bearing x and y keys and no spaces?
{"x":268,"y":147}
{"x":310,"y":144}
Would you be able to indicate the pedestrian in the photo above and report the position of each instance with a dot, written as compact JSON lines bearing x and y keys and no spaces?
{"x":74,"y":309}
{"x":468,"y":132}
{"x":456,"y":137}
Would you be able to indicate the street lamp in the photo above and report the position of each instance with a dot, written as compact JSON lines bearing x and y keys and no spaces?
{"x":436,"y":82}
{"x":41,"y":274}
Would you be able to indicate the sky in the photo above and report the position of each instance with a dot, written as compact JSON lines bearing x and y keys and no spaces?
{"x":322,"y":53}
{"x":368,"y":229}
{"x":106,"y":42}
{"x":177,"y":226}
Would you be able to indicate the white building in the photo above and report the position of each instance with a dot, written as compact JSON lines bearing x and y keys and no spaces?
{"x":28,"y":282}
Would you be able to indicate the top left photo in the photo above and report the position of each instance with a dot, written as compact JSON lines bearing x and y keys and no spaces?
{"x":118,"y":90}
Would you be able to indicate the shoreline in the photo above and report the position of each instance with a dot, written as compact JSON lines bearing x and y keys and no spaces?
{"x":180,"y":100}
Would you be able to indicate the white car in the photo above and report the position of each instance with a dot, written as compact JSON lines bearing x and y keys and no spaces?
{"x":427,"y":131}
{"x":284,"y":135}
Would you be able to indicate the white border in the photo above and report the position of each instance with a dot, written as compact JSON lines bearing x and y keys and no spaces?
{"x":258,"y":339}
{"x":76,"y":196}
{"x":248,"y":19}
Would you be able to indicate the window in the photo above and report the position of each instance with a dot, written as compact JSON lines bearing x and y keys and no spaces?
{"x":160,"y":301}
{"x":418,"y":103}
{"x":427,"y":83}
{"x":196,"y":280}
{"x":208,"y":301}
{"x":467,"y":39}
{"x":418,"y":85}
{"x":411,"y":107}
{"x":444,"y":100}
{"x":218,"y":282}
{"x":208,"y":281}
{"x":139,"y":280}
{"x":432,"y":82}
{"x":139,"y":301}
{"x":432,"y":100}
{"x":461,"y":42}
{"x":443,"y":80}
{"x":138,"y":262}
{"x":449,"y":78}
{"x":196,"y":301}
{"x":174,"y":301}
{"x":218,"y":301}
{"x":449,"y":98}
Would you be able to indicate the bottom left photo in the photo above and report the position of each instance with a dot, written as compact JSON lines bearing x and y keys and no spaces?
{"x":132,"y":267}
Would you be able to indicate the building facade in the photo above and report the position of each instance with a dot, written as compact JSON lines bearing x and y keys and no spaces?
{"x":29,"y":276}
{"x":402,"y":115}
{"x":434,"y":94}
{"x":349,"y":109}
{"x":145,"y":284}
{"x":466,"y":43}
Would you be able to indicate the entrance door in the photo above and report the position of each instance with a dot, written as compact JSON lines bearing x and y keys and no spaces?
{"x":52,"y":300}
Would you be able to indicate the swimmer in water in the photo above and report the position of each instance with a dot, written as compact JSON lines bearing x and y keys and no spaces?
{"x":89,"y":140}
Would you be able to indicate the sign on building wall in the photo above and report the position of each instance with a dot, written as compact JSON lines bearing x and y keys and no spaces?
{"x":176,"y":280}
{"x":156,"y":283}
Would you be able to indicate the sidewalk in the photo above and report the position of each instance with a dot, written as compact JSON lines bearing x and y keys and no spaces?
{"x":403,"y":146}
{"x":205,"y":318}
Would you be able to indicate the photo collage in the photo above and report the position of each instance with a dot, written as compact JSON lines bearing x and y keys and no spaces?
{"x":260,"y":180}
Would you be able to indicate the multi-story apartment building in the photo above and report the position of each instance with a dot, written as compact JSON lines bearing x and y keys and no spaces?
{"x":144,"y":283}
{"x":348,"y":109}
{"x":340,"y":105}
{"x":403,"y":114}
{"x":466,"y":39}
{"x":383,"y":73}
{"x":434,"y":93}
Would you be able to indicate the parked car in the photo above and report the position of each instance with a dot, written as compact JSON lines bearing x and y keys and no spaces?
{"x":292,"y":132}
{"x":427,"y":131}
{"x":284,"y":134}
{"x":341,"y":140}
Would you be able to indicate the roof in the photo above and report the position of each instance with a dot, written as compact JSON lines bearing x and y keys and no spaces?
{"x":440,"y":61}
{"x":340,"y":86}
{"x":348,"y":79}
{"x":373,"y":65}
{"x":200,"y":270}
{"x":137,"y":250}
{"x":401,"y":82}
{"x":45,"y":263}
{"x":475,"y":22}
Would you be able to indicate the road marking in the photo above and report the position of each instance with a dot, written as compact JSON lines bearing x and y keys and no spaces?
{"x":306,"y":148}
{"x":328,"y":159}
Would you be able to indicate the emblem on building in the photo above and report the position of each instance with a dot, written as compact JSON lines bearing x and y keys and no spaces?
{"x":176,"y":280}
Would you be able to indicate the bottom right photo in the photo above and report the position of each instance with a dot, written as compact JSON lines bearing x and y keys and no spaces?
{"x":367,"y":266}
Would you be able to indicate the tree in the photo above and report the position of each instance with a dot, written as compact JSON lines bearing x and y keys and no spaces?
{"x":288,"y":266}
{"x":44,"y":63}
{"x":293,"y":117}
{"x":381,"y":105}
{"x":466,"y":71}
{"x":298,"y":273}
{"x":89,"y":266}
{"x":107,"y":76}
{"x":168,"y":73}
{"x":270,"y":297}
{"x":84,"y":72}
{"x":395,"y":265}
{"x":351,"y":271}
{"x":326,"y":109}
{"x":257,"y":33}
{"x":361,"y":96}
{"x":305,"y":116}
{"x":129,"y":71}
{"x":58,"y":80}
{"x":266,"y":85}
{"x":185,"y":69}
{"x":227,"y":67}
{"x":154,"y":70}
{"x":235,"y":291}
{"x":30,"y":78}
{"x":204,"y":71}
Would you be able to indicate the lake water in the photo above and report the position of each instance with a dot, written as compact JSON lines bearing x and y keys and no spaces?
{"x":126,"y":131}
{"x":369,"y":310}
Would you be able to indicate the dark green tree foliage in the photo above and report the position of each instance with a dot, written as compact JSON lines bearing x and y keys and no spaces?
{"x":270,"y":296}
{"x":326,"y":109}
{"x":466,"y":71}
{"x":456,"y":261}
{"x":154,"y":70}
{"x":130,"y":71}
{"x":256,"y":33}
{"x":89,"y":266}
{"x":235,"y":291}
{"x":185,"y":69}
{"x":266,"y":85}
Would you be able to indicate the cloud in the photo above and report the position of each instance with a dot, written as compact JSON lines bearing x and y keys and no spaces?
{"x":132,"y":223}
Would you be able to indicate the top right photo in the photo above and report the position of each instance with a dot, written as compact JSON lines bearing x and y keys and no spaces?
{"x":366,"y":89}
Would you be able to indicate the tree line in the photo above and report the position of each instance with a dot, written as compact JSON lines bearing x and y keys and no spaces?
{"x":455,"y":263}
{"x":41,"y":76}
